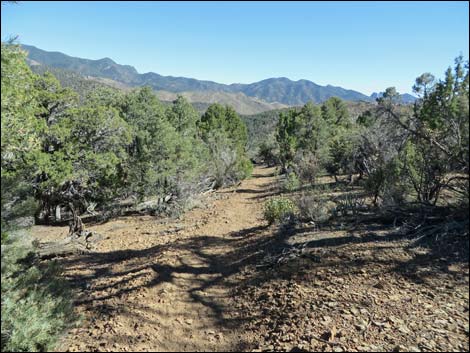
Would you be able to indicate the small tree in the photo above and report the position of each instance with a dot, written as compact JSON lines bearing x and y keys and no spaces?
{"x":225,"y":134}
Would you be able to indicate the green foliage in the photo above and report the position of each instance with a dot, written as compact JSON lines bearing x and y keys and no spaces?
{"x":366,"y":119}
{"x":86,"y":148}
{"x":343,"y":149}
{"x":36,"y":306}
{"x":434,"y":148}
{"x":335,"y":112}
{"x":52,"y":98}
{"x":20,"y":138}
{"x":349,"y":204}
{"x":183,"y":117}
{"x":308,"y":165}
{"x":76,"y":82}
{"x":288,"y":131}
{"x":313,"y":137}
{"x":279,"y":209}
{"x":291,"y":183}
{"x":424,"y":172}
{"x":106,"y":145}
{"x":153,"y":150}
{"x":226,"y":135}
{"x":314,"y":130}
{"x":386,"y":183}
{"x":267,"y":153}
{"x":18,"y":106}
{"x":261,"y":130}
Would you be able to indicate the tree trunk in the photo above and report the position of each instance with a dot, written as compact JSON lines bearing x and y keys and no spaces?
{"x":79,"y":240}
{"x":57,"y":213}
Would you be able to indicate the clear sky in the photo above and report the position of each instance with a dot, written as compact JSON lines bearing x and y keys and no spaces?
{"x":366,"y":46}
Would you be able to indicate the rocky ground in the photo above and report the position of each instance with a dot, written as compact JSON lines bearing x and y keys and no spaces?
{"x":220,"y":279}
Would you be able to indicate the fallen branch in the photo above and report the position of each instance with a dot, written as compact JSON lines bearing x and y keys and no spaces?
{"x":79,"y":240}
{"x":74,"y":244}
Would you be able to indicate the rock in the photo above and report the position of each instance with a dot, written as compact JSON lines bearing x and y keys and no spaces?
{"x":404,"y":329}
{"x":360,"y":327}
{"x":354,"y":311}
{"x":379,"y":285}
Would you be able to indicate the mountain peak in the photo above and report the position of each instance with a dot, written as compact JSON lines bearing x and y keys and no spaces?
{"x":106,"y":61}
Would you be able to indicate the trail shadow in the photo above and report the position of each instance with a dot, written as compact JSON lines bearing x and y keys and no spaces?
{"x":254,"y":191}
{"x":104,"y":277}
{"x":249,"y":231}
{"x":274,"y":192}
{"x":270,"y":175}
{"x":248,"y":247}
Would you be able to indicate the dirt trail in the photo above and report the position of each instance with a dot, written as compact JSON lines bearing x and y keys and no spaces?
{"x":145,"y":290}
{"x":219,"y":279}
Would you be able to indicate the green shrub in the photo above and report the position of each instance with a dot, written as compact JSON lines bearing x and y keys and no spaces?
{"x":36,"y":306}
{"x":387,"y":185}
{"x":245,"y":168}
{"x":291,"y":183}
{"x":267,"y":153}
{"x":349,"y":204}
{"x":278,"y":209}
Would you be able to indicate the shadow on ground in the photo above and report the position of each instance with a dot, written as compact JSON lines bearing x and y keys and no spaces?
{"x":359,"y":246}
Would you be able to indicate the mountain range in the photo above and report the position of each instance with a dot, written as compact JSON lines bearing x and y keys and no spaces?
{"x":272,"y":93}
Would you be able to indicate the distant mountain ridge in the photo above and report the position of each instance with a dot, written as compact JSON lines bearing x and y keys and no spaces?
{"x":273,"y":90}
{"x":85,"y":84}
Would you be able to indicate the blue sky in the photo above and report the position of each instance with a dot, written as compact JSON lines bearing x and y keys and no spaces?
{"x":366,"y":46}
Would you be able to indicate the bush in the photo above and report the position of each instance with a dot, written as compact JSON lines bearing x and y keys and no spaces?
{"x":307,"y":166}
{"x":291,"y":183}
{"x":278,"y":209}
{"x":267,"y":153}
{"x":349,"y":204}
{"x":36,"y":306}
{"x":245,"y":168}
{"x":386,"y":184}
{"x":314,"y":207}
